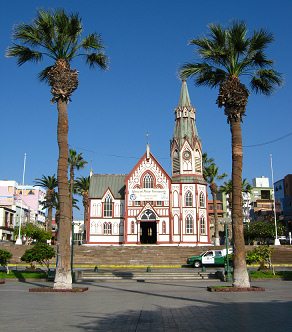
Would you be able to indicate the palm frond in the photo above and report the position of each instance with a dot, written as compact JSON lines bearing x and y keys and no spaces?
{"x":27,"y":34}
{"x":237,"y":41}
{"x":23,"y":54}
{"x":259,"y":41}
{"x":43,"y":75}
{"x":97,"y":59}
{"x":92,"y":41}
{"x":218,"y":35}
{"x":265,"y":81}
{"x":203,"y":74}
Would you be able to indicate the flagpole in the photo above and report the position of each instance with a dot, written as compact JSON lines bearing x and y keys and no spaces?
{"x":277,"y":241}
{"x":19,"y":240}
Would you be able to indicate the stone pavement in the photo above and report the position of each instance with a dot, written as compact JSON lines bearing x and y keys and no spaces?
{"x":146,"y":306}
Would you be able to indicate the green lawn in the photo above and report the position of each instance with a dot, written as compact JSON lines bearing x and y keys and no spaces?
{"x":287,"y":275}
{"x":21,"y":275}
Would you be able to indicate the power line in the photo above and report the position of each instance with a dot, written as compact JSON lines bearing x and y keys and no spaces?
{"x":268,"y":142}
{"x":108,"y":155}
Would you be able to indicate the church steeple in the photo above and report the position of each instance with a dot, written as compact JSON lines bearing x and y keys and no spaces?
{"x":185,"y":126}
{"x":186,"y":150}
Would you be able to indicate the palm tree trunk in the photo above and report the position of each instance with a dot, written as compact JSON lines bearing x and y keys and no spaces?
{"x":241,"y":277}
{"x":49,"y":220}
{"x":216,"y":226}
{"x":63,"y":278}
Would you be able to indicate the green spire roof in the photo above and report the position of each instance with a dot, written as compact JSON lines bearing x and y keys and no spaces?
{"x":185,"y":124}
{"x":184,"y":99}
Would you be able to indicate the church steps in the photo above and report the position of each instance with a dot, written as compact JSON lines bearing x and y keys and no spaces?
{"x":89,"y":275}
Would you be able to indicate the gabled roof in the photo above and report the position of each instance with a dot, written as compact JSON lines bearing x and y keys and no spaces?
{"x":100,"y":183}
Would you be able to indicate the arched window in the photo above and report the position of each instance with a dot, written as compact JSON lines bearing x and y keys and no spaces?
{"x":108,"y":207}
{"x":202,"y":225}
{"x":148,"y":215}
{"x":175,"y":162}
{"x":107,"y":228}
{"x":189,"y":225}
{"x":198,"y":162}
{"x":148,"y":181}
{"x":189,"y":199}
{"x":132,"y":227}
{"x":202,"y":200}
{"x":163,"y":227}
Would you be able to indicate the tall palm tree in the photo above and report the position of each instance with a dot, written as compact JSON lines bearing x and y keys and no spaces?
{"x":82,"y":187}
{"x":57,"y":36}
{"x":211,"y":175}
{"x":228,"y":56}
{"x":49,"y":183}
{"x":77,"y":162}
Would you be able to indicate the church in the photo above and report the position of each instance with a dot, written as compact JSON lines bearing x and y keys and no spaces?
{"x":148,"y":206}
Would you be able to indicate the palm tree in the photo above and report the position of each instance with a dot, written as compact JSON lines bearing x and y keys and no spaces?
{"x":57,"y":36}
{"x":82,"y":186}
{"x":211,"y":175}
{"x":77,"y":162}
{"x":49,"y":183}
{"x":227,"y":56}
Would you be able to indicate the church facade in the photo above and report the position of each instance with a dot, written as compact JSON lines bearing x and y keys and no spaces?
{"x":147,"y":206}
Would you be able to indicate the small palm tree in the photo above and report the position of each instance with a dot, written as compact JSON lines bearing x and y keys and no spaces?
{"x":49,"y":183}
{"x":211,"y":175}
{"x":82,"y":187}
{"x":77,"y":162}
{"x":228,"y":56}
{"x":57,"y":36}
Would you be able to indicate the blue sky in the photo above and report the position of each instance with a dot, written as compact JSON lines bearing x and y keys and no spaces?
{"x":111,"y":112}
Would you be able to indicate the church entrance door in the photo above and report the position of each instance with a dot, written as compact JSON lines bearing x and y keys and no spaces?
{"x":148,"y":232}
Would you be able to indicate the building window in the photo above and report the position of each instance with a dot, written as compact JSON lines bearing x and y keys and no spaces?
{"x":202,"y":200}
{"x":132,"y":227}
{"x":107,"y":228}
{"x":108,"y":207}
{"x":189,"y":225}
{"x":175,"y":162}
{"x":198,"y":167}
{"x":189,"y":199}
{"x":136,"y":203}
{"x":159,"y":203}
{"x":202,"y":225}
{"x":163,"y":227}
{"x":148,"y":181}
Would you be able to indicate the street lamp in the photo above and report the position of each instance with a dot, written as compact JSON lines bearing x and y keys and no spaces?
{"x":72,"y":249}
{"x":277,"y":241}
{"x":228,"y":274}
{"x":19,"y":240}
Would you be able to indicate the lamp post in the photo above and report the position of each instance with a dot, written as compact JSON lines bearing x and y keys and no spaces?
{"x":228,"y":274}
{"x":19,"y":240}
{"x":277,"y":241}
{"x":72,"y":249}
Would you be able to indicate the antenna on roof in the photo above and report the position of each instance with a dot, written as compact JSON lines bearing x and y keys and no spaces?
{"x":91,"y":171}
{"x":147,"y":146}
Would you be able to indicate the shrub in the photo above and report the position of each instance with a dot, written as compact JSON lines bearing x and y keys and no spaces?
{"x":4,"y":258}
{"x":40,"y":253}
{"x":33,"y":233}
{"x":261,"y":255}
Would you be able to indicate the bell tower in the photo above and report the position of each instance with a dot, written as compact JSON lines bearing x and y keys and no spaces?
{"x":185,"y":146}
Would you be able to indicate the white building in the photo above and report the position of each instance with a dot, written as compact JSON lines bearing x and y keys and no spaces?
{"x":147,"y":206}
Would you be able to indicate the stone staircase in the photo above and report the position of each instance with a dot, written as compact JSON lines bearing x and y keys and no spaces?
{"x":142,"y":256}
{"x":142,"y":275}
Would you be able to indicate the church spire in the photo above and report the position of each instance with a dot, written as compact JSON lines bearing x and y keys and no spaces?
{"x":185,"y":125}
{"x":186,"y":150}
{"x":184,"y":99}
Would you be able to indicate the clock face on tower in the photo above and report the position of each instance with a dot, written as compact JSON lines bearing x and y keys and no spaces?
{"x":186,"y":155}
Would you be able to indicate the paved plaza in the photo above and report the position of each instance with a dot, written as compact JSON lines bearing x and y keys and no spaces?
{"x":146,"y":306}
